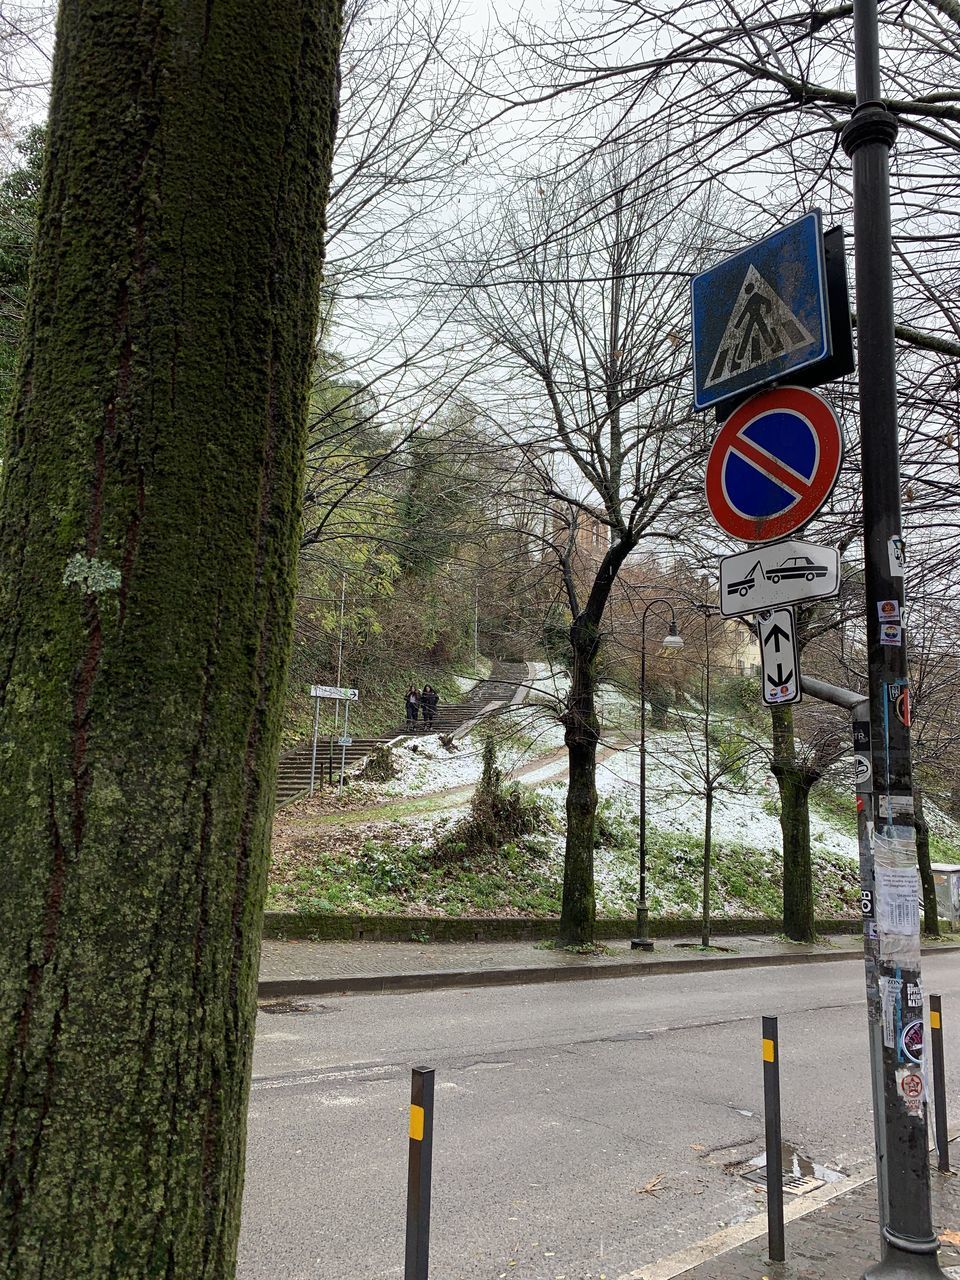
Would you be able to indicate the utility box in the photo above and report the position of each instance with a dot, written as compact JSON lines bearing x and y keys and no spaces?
{"x":946,"y":876}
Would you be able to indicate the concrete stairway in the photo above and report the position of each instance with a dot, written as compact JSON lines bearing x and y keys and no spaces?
{"x":505,"y":683}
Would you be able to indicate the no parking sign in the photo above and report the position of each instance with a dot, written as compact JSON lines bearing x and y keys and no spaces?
{"x":773,"y":464}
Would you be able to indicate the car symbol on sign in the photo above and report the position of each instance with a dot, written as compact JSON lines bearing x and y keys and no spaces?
{"x":797,"y":567}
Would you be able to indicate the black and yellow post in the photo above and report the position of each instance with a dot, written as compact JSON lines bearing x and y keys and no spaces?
{"x":939,"y":1086}
{"x":419,"y":1173}
{"x":771,"y":1115}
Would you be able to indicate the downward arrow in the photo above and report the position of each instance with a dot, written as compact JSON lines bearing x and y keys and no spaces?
{"x":776,"y":634}
{"x":780,"y":677}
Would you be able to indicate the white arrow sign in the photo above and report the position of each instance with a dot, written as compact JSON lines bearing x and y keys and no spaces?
{"x":778,"y":574}
{"x":330,"y":691}
{"x":779,"y":657}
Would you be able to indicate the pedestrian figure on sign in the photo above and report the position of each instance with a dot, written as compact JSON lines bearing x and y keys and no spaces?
{"x":428,"y":706}
{"x":756,"y":335}
{"x":411,"y":702}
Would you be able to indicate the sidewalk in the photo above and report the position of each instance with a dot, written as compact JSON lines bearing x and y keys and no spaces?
{"x":836,"y":1240}
{"x":291,"y":968}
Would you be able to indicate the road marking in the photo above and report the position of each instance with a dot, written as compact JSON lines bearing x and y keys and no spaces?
{"x":361,"y":1075}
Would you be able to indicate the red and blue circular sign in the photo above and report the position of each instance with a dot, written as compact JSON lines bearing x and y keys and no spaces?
{"x":773,"y":464}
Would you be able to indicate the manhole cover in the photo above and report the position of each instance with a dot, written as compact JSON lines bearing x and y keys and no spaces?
{"x":794,"y":1184}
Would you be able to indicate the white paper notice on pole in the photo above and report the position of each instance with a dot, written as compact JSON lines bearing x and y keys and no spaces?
{"x":897,"y":890}
{"x":896,"y":897}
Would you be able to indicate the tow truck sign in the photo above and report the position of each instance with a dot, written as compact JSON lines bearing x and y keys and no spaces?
{"x":777,"y":574}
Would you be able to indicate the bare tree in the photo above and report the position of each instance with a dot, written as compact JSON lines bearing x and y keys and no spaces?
{"x":751,"y":96}
{"x":584,"y":382}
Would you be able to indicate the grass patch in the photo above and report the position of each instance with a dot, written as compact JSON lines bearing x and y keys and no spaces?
{"x":390,"y":879}
{"x":836,"y":806}
{"x":499,"y":815}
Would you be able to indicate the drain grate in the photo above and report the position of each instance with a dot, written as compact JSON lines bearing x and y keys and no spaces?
{"x":793,"y":1183}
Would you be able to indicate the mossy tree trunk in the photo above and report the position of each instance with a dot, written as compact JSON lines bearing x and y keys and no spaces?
{"x":148,"y":531}
{"x":931,"y":921}
{"x":581,"y":735}
{"x":707,"y":854}
{"x":794,"y":781}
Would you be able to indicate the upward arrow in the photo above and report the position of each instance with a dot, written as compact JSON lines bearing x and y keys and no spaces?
{"x":776,"y":633}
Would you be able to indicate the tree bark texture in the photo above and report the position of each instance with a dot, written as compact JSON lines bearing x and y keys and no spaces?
{"x":931,"y":915}
{"x":148,"y":531}
{"x":794,"y":782}
{"x":581,"y":735}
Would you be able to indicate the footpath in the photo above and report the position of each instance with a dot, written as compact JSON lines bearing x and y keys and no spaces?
{"x":835,"y":1238}
{"x":300,"y":968}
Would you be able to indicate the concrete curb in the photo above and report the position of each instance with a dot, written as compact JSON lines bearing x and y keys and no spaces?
{"x":446,"y":979}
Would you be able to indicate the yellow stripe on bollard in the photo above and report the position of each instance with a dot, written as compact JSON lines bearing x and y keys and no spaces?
{"x":935,"y":1019}
{"x":769,"y":1052}
{"x":416,"y":1123}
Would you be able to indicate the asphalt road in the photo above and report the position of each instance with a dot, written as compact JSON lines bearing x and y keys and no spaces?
{"x":582,"y":1129}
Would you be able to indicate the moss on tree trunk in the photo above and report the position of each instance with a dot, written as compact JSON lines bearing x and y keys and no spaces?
{"x":707,"y":860}
{"x":148,"y":530}
{"x":794,"y":782}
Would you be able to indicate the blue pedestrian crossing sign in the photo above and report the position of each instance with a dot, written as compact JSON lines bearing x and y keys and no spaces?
{"x":761,"y":314}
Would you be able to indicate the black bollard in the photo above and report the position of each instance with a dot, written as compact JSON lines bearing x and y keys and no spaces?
{"x":771,"y":1115}
{"x":419,"y":1174}
{"x":939,"y":1086}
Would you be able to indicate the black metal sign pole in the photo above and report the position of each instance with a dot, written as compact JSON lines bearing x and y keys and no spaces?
{"x":911,"y":1245}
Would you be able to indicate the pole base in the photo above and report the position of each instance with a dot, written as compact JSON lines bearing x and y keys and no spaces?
{"x":899,"y":1264}
{"x":643,"y":941}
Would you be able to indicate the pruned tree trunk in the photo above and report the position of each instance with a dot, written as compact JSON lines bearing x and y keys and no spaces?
{"x":931,"y":916}
{"x":707,"y":851}
{"x":794,"y":783}
{"x":148,"y":532}
{"x":581,"y":734}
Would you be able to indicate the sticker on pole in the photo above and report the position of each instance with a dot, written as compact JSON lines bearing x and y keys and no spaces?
{"x":773,"y":464}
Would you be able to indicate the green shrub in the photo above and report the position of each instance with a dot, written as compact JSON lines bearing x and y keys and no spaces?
{"x":500,"y":815}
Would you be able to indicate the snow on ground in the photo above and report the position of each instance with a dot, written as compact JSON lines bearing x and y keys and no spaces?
{"x":747,"y":818}
{"x":547,"y":680}
{"x":425,"y":765}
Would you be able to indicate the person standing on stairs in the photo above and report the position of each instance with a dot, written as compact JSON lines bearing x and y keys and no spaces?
{"x":428,"y":706}
{"x":411,"y":702}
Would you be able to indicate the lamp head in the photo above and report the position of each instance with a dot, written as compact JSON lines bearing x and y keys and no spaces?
{"x":673,"y":640}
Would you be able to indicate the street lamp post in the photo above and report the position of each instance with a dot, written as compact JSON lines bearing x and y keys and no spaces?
{"x":672,"y":640}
